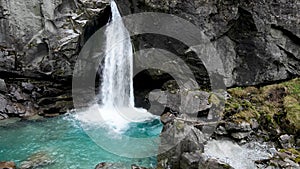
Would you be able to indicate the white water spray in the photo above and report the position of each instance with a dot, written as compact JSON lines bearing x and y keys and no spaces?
{"x":117,"y":85}
{"x":116,"y":95}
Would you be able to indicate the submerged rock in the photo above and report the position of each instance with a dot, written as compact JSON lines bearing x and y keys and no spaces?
{"x":7,"y":165}
{"x":36,"y":160}
{"x":240,"y":135}
{"x":133,"y":166}
{"x":104,"y":165}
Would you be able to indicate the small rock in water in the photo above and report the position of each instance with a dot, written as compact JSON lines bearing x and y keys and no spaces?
{"x":36,"y":160}
{"x":3,"y":116}
{"x":7,"y":165}
{"x":104,"y":165}
{"x":134,"y":166}
{"x":240,"y":135}
{"x":101,"y":165}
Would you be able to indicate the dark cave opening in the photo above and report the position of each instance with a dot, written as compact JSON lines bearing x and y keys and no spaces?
{"x":144,"y":82}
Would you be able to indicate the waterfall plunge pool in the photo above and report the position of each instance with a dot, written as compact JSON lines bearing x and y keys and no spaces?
{"x":64,"y":141}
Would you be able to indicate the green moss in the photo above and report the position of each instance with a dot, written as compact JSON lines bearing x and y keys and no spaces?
{"x":297,"y":160}
{"x":237,"y":92}
{"x":214,"y":99}
{"x":292,"y":108}
{"x":247,"y":115}
{"x":293,"y":87}
{"x":274,"y":106}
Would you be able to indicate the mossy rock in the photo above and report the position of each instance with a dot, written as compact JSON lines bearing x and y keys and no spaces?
{"x":276,"y":107}
{"x":294,"y":154}
{"x":247,"y":115}
{"x":237,"y":92}
{"x":292,"y":108}
{"x":214,"y":99}
{"x":293,"y":87}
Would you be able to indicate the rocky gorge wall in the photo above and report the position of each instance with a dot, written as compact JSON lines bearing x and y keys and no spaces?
{"x":39,"y":43}
{"x":259,"y":43}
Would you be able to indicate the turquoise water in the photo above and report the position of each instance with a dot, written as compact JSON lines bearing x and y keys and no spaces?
{"x":68,"y":145}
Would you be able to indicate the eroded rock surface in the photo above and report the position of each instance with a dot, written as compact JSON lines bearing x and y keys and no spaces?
{"x":258,"y":42}
{"x":39,"y":44}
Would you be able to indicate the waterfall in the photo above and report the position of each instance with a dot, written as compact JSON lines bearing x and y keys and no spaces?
{"x":117,"y":85}
{"x":116,"y":110}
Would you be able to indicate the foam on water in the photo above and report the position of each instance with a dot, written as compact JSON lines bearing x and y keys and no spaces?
{"x":235,"y":155}
{"x":115,"y":118}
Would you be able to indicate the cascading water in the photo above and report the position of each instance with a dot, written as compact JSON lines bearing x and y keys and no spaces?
{"x":117,"y":85}
{"x":116,"y":94}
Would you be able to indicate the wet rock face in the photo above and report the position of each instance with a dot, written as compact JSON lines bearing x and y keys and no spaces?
{"x":39,"y":43}
{"x":26,"y":98}
{"x":43,"y":38}
{"x":259,"y":42}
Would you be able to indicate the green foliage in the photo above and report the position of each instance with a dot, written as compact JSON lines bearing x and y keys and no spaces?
{"x":274,"y":106}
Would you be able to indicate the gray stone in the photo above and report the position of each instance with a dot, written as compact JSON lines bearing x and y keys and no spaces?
{"x":133,"y":166}
{"x":167,"y":118}
{"x":243,"y":126}
{"x":254,"y":124}
{"x":240,"y":135}
{"x":291,"y":164}
{"x":190,"y":160}
{"x":27,"y":86}
{"x":3,"y":116}
{"x":3,"y":88}
{"x":212,"y":163}
{"x":221,"y":130}
{"x":287,"y":141}
{"x":3,"y":103}
{"x":177,"y":139}
{"x":104,"y":165}
{"x":17,"y":94}
{"x":298,"y":143}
